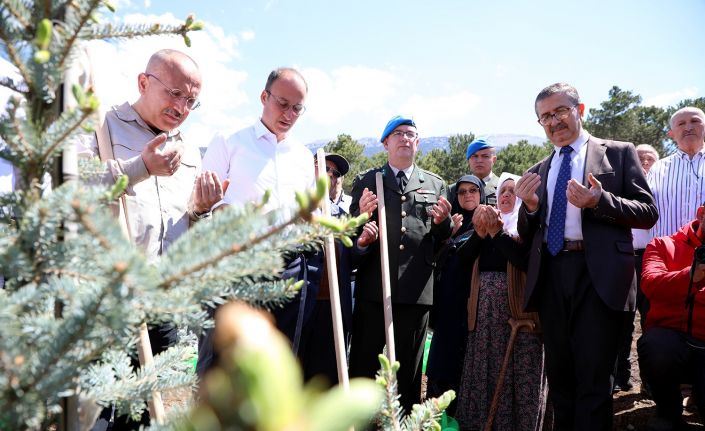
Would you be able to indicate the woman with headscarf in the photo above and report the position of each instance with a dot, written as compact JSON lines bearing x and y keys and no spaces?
{"x":451,"y":289}
{"x":508,"y":203}
{"x":496,"y":296}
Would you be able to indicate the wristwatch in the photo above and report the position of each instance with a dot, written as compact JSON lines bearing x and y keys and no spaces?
{"x":201,"y":216}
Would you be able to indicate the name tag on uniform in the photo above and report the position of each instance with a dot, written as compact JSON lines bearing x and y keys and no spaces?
{"x":425,"y":192}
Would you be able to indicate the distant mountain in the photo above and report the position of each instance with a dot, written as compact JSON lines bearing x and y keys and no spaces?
{"x":500,"y":140}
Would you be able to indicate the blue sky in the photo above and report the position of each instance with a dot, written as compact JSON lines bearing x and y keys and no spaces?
{"x":456,"y":66}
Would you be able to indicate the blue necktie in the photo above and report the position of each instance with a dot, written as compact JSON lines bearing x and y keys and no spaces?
{"x":556,"y":224}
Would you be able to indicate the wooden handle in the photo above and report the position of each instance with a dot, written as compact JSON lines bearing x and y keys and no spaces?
{"x":384,"y":262}
{"x":144,"y":351}
{"x":331,"y":264}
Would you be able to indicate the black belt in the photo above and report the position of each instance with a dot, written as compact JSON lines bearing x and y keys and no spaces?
{"x":578,"y":245}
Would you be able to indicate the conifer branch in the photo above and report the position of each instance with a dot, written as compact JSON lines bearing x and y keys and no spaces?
{"x":89,"y":226}
{"x":71,"y":40}
{"x":10,"y":84}
{"x":65,"y":134}
{"x":18,"y":10}
{"x":15,"y":56}
{"x":17,"y":126}
{"x":234,"y":249}
{"x":130,"y":32}
{"x":72,"y":274}
{"x":71,"y":339}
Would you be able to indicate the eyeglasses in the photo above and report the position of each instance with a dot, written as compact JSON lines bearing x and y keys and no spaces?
{"x":408,"y":134}
{"x":191,"y":102}
{"x":336,"y":173}
{"x":284,"y":105}
{"x":471,"y":191}
{"x":561,"y":114}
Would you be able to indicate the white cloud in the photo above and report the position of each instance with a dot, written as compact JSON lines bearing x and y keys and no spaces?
{"x":359,"y":100}
{"x":347,"y":99}
{"x":667,"y":99}
{"x":335,"y":95}
{"x":440,"y":115}
{"x":500,"y":71}
{"x":247,"y":35}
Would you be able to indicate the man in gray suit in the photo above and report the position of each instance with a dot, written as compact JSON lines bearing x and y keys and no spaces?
{"x":579,"y":206}
{"x":417,"y":221}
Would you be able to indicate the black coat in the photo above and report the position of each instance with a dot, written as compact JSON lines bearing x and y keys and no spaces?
{"x":412,"y":237}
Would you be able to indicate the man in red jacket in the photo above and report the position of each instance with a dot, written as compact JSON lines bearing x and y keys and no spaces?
{"x":672,"y":349}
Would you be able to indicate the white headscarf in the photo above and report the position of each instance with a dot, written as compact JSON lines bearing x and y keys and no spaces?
{"x":509,"y":219}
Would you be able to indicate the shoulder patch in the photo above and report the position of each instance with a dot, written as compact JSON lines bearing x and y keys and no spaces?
{"x":438,"y":177}
{"x":363,"y":173}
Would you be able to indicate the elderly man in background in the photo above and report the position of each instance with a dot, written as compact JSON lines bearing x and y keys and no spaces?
{"x":678,"y":181}
{"x":336,"y":168}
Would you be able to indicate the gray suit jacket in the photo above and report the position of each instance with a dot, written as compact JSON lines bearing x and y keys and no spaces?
{"x":626,"y":203}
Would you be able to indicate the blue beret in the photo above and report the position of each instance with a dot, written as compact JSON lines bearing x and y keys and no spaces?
{"x":395,"y":122}
{"x":477,"y":145}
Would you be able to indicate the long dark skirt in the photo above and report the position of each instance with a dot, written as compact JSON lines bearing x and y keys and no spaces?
{"x":523,"y":400}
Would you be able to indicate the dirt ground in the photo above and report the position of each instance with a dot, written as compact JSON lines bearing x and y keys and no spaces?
{"x":632,"y":410}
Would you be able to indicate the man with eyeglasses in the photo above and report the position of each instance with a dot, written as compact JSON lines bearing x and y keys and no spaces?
{"x":417,"y":216}
{"x":261,"y":157}
{"x":336,"y":168}
{"x":166,"y":190}
{"x":579,"y":206}
{"x":317,"y":347}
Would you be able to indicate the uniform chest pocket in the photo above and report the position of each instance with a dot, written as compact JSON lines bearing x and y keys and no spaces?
{"x":423,"y":203}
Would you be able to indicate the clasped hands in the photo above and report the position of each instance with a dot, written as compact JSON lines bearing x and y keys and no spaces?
{"x":576,"y":193}
{"x":207,"y":188}
{"x":487,"y":220}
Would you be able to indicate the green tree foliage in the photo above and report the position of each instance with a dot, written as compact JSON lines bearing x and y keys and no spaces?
{"x":450,"y":164}
{"x":376,"y":160}
{"x":517,"y":158}
{"x":622,"y":117}
{"x":353,"y":151}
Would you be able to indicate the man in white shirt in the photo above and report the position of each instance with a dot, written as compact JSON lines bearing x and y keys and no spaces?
{"x":265,"y":157}
{"x":678,"y":181}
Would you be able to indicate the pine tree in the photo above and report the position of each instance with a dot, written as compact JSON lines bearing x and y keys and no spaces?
{"x":76,"y":290}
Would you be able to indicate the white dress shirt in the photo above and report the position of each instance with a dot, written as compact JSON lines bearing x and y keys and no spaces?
{"x":573,"y":215}
{"x":254,"y":162}
{"x":677,"y":183}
